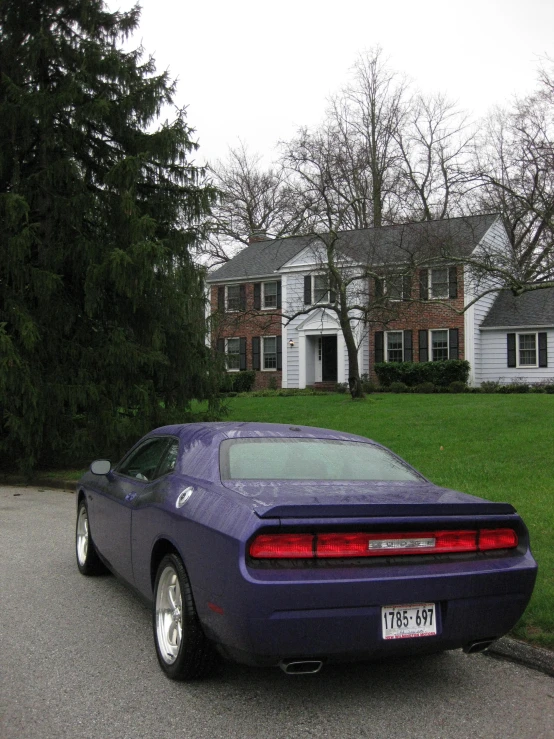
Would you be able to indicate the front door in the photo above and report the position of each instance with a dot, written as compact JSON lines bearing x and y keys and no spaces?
{"x":329,"y":358}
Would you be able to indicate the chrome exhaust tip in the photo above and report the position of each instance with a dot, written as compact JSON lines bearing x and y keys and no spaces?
{"x":475,"y":647}
{"x":301,"y":666}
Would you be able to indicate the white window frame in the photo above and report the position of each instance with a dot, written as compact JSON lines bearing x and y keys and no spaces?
{"x":430,"y":342}
{"x":232,"y":369}
{"x":326,"y":298}
{"x":386,"y":347}
{"x":430,"y":284}
{"x":262,"y":354}
{"x":518,"y":363}
{"x":227,"y":309}
{"x":269,"y":307}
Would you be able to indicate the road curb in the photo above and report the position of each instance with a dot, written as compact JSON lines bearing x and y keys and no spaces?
{"x":39,"y":482}
{"x":525,"y":654}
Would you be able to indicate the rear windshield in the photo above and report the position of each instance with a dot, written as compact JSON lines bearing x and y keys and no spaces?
{"x":309,"y":459}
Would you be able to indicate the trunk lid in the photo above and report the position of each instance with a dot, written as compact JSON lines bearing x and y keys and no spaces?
{"x":321,"y":499}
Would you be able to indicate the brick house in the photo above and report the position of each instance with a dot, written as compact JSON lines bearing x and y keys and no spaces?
{"x":270,"y":315}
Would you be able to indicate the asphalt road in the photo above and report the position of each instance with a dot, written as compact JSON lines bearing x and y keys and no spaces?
{"x":77,"y":660}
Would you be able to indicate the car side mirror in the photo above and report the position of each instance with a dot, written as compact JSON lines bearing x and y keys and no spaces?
{"x":101,"y":467}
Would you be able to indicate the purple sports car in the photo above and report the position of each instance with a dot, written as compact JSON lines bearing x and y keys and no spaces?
{"x":295,"y":546}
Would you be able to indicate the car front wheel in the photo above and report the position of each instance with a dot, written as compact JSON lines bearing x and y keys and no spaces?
{"x":184,"y":652}
{"x":88,"y":561}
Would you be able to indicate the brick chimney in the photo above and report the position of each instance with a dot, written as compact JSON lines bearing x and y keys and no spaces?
{"x":258,"y":234}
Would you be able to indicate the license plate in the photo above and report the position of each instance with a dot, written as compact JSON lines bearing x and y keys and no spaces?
{"x":410,"y":621}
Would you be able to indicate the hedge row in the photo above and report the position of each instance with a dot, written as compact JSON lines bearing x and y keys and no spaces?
{"x":418,"y":373}
{"x":238,"y":382}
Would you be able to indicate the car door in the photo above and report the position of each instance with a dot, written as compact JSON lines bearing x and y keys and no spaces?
{"x":114,"y":505}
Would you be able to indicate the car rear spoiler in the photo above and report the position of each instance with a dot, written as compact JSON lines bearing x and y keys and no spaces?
{"x":379,"y":510}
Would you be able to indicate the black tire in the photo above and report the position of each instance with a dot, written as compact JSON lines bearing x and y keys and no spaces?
{"x":88,"y":561}
{"x":183,"y":651}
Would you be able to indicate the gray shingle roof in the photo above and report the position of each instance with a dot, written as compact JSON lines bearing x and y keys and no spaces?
{"x":534,"y":308}
{"x":385,"y":245}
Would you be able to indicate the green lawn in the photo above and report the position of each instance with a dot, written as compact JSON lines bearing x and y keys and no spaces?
{"x":499,"y":447}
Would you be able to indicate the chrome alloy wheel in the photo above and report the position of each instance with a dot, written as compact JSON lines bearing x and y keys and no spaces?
{"x":169,"y":619}
{"x":82,"y":536}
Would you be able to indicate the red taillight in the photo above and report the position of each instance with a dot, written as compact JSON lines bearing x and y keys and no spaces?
{"x":497,"y":539}
{"x":360,"y":544}
{"x":282,"y":546}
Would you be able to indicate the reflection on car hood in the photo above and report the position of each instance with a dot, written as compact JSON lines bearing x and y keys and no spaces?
{"x":324,"y":499}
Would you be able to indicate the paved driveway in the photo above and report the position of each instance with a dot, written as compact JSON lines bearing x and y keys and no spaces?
{"x":77,"y":660}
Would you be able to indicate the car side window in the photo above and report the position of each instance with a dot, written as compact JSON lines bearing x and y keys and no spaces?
{"x":143,"y":463}
{"x":170,"y":459}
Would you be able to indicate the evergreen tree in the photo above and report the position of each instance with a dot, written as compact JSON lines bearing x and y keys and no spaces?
{"x":101,"y":309}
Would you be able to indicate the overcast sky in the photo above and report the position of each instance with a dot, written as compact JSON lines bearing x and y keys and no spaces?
{"x":257,"y":70}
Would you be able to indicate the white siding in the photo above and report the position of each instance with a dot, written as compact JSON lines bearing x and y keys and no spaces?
{"x":494,"y":241}
{"x":494,"y":358}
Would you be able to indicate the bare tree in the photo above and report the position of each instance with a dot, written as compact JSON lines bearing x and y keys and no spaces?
{"x":436,"y":145}
{"x":514,"y":159}
{"x":252,"y":200}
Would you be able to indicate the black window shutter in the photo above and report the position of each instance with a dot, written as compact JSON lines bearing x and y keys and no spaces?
{"x":221,"y":299}
{"x":379,"y":346}
{"x":221,"y":346}
{"x":406,"y":288}
{"x":423,"y":286}
{"x":423,"y":346}
{"x":256,"y":353}
{"x":257,"y":295}
{"x":378,"y":288}
{"x":307,"y":290}
{"x":511,"y":349}
{"x":278,"y":342}
{"x":242,"y":293}
{"x":543,"y":358}
{"x":453,"y":350}
{"x":452,"y":282}
{"x":242,"y":355}
{"x":408,"y":353}
{"x":279,"y":294}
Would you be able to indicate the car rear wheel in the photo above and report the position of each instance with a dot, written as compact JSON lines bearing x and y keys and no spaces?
{"x":88,"y":561}
{"x":184,"y":652}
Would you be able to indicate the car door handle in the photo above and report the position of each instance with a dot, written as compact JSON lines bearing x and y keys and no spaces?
{"x":130,"y":496}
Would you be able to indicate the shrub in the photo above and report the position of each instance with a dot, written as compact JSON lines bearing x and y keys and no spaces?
{"x":238,"y":382}
{"x":243,"y":381}
{"x":417,"y":373}
{"x":272,"y":383}
{"x":514,"y":387}
{"x":424,"y":387}
{"x":341,"y":387}
{"x":549,"y":389}
{"x":398,"y":387}
{"x":537,"y":389}
{"x":458,"y":387}
{"x":490,"y":386}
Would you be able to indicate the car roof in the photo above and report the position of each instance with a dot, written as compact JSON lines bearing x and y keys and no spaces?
{"x":190,"y":432}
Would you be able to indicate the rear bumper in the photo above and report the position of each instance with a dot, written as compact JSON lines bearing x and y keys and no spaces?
{"x":335,"y":614}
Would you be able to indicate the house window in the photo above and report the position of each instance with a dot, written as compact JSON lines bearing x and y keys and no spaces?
{"x":394,"y":288}
{"x":269,"y":294}
{"x":232,"y":354}
{"x":527,"y":350}
{"x":395,"y":346}
{"x":439,"y":345}
{"x":269,"y":361}
{"x":321,"y":289}
{"x":232,"y":295}
{"x":438,"y":283}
